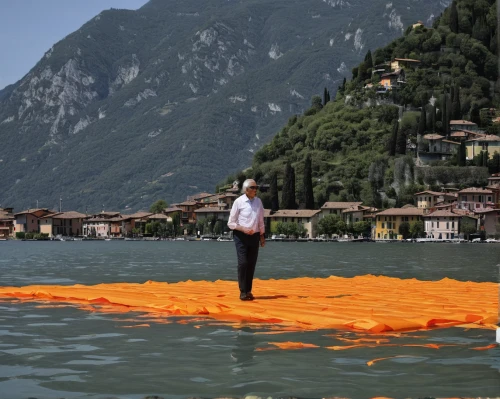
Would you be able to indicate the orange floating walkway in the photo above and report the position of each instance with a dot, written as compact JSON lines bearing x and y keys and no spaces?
{"x":363,"y":303}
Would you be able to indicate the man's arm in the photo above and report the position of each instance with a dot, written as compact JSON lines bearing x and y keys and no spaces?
{"x":232,"y":223}
{"x":262,"y":226}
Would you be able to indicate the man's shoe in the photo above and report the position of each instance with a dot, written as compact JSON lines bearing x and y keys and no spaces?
{"x":250,"y":296}
{"x":245,"y":297}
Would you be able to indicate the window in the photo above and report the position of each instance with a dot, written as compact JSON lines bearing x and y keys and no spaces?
{"x":383,"y":225}
{"x":447,"y":226}
{"x":437,"y":225}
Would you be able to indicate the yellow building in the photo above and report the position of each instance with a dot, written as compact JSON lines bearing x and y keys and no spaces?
{"x":388,"y":221}
{"x":490,"y":143}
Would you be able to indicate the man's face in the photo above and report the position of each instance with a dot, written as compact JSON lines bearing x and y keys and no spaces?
{"x":251,"y":190}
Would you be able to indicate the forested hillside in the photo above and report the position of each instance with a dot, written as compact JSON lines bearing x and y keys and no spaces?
{"x":363,"y":144}
{"x":164,"y":101}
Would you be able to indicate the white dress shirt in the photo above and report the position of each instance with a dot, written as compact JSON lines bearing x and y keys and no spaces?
{"x":247,"y":213}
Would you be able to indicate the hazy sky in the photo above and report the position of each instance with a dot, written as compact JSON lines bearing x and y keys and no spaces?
{"x":28,"y":28}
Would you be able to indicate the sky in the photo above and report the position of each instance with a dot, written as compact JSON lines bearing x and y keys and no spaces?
{"x":28,"y":28}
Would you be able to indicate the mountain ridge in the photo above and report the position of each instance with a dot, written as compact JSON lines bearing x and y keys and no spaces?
{"x":165,"y":101}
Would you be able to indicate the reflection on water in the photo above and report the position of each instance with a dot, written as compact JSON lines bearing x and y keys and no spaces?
{"x":66,"y":352}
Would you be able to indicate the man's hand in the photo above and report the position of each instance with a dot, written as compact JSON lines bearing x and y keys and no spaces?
{"x":262,"y":241}
{"x":248,"y":231}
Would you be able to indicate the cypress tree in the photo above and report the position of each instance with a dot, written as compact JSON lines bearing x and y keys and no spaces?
{"x":308,"y":187}
{"x":368,"y":64}
{"x":474,"y":115}
{"x":444,"y":116}
{"x":456,"y":112}
{"x":394,"y":138}
{"x":401,"y":143}
{"x":454,"y":17}
{"x":495,"y":163}
{"x":275,"y":205}
{"x":461,"y":154}
{"x":293,"y":201}
{"x":422,"y":125}
{"x":485,"y":158}
{"x":433,"y":118}
{"x":325,"y":96}
{"x":288,"y":192}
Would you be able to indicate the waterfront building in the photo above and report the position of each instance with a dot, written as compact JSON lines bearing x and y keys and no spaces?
{"x":442,"y":225}
{"x":388,"y":221}
{"x":7,"y":221}
{"x":308,"y":218}
{"x":28,"y":221}
{"x":62,"y":223}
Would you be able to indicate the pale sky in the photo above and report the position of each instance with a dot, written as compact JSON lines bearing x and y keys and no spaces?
{"x":28,"y":28}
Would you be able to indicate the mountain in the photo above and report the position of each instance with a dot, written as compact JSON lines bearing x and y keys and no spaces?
{"x":165,"y":101}
{"x":363,"y":144}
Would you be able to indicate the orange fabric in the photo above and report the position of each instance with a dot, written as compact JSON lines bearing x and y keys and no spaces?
{"x":374,"y":304}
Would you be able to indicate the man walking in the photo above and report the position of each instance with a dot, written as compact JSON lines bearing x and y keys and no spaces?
{"x":247,"y":222}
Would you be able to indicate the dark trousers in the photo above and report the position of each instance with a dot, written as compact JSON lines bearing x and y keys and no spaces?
{"x":247,"y":251}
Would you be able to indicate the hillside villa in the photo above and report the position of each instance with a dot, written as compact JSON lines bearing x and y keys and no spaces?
{"x":489,"y":143}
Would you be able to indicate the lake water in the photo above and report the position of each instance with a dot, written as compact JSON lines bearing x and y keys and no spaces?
{"x":69,"y":353}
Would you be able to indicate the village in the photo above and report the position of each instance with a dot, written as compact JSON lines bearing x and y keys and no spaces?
{"x":443,"y":216}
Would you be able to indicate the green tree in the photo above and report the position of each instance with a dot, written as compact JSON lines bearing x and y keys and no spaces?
{"x":274,"y":192}
{"x":158,"y":206}
{"x":176,"y":222}
{"x":417,"y":229}
{"x":394,"y":138}
{"x":461,"y":155}
{"x":288,"y":191}
{"x":329,"y":225}
{"x":494,"y":163}
{"x":468,"y":226}
{"x":454,"y":17}
{"x":404,"y":230}
{"x":316,"y":102}
{"x":456,"y":108}
{"x":422,"y":121}
{"x":362,"y":228}
{"x":444,"y":115}
{"x":308,"y":187}
{"x":401,"y":142}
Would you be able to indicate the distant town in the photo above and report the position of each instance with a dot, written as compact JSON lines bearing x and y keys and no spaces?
{"x":438,"y":216}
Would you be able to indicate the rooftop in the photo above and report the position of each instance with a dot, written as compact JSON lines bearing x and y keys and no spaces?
{"x":209,"y":209}
{"x":475,"y":190}
{"x":402,"y":212}
{"x":433,"y":136}
{"x":301,"y":213}
{"x":340,"y":205}
{"x":442,"y":213}
{"x":462,"y":122}
{"x":488,"y":137}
